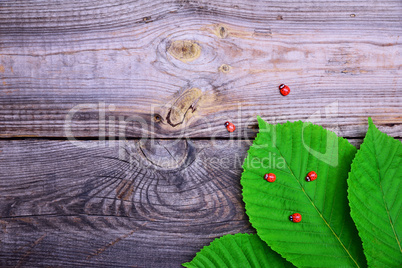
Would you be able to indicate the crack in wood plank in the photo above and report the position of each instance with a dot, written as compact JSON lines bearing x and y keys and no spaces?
{"x":30,"y":250}
{"x":114,"y":242}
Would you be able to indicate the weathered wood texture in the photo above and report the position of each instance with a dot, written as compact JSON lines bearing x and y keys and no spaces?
{"x":61,"y":205}
{"x":168,"y":69}
{"x":182,"y":68}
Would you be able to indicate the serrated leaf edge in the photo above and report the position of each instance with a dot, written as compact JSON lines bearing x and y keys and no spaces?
{"x":372,"y":127}
{"x":261,"y":121}
{"x":206,"y":246}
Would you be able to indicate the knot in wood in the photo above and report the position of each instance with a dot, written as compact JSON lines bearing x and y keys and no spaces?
{"x":184,"y":50}
{"x":180,"y":107}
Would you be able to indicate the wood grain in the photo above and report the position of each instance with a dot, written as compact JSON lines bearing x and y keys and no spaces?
{"x":125,"y":60}
{"x":137,"y":204}
{"x":106,"y":70}
{"x":154,"y":205}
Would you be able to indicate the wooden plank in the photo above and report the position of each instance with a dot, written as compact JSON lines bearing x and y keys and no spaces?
{"x":61,"y":205}
{"x":182,"y":68}
{"x":137,"y":204}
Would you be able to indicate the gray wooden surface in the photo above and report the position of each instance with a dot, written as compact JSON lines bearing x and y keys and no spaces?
{"x":168,"y":70}
{"x":114,"y":205}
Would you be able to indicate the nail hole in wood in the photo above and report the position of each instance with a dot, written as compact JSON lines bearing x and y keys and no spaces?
{"x":225,"y":68}
{"x":157,"y":118}
{"x":147,"y":19}
{"x":222,"y":32}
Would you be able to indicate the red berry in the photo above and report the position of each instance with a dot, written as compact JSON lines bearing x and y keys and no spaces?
{"x":296,"y":217}
{"x":229,"y":126}
{"x":270,"y":177}
{"x":311,"y":176}
{"x":285,"y":90}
